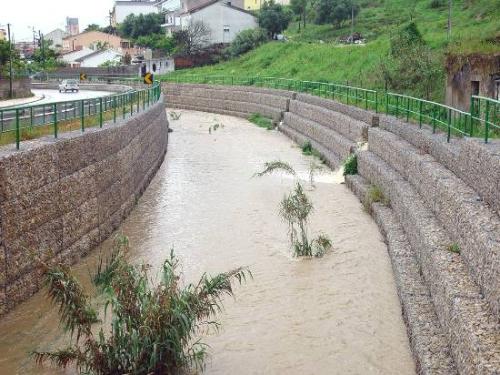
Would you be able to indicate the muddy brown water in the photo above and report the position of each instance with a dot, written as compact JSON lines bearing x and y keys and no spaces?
{"x":335,"y":315}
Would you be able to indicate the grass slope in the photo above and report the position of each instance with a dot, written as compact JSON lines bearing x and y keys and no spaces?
{"x":313,"y":54}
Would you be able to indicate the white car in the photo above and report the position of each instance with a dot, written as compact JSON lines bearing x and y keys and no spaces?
{"x":68,"y":85}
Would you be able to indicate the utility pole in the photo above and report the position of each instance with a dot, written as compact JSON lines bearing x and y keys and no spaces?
{"x":449,"y":19}
{"x":40,"y":35}
{"x":352,"y":23}
{"x":10,"y":62}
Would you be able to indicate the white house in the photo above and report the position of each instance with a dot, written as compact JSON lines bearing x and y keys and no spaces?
{"x":56,"y":37}
{"x":161,"y":65}
{"x":123,"y":8}
{"x":224,"y":20}
{"x":71,"y":57}
{"x":98,"y":58}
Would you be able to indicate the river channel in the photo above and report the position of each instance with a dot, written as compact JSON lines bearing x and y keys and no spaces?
{"x":339,"y":314}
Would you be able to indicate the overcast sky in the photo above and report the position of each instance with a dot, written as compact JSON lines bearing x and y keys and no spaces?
{"x":47,"y":15}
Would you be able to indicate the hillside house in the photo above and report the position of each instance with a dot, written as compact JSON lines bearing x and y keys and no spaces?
{"x":224,"y":19}
{"x":472,"y":75}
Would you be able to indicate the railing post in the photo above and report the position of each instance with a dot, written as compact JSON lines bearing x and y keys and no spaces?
{"x":387,"y":103}
{"x":131,"y":104}
{"x":1,"y":121}
{"x":114,"y":109}
{"x":31,"y":117}
{"x":100,"y":112}
{"x":18,"y":132}
{"x":138,"y":100}
{"x":82,"y":115}
{"x":407,"y":109}
{"x":55,"y":120}
{"x":376,"y":101}
{"x":420,"y":114}
{"x":486,"y":122}
{"x":433,"y":119}
{"x":449,"y":126}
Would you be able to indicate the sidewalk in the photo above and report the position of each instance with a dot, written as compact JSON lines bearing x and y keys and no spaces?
{"x":20,"y":101}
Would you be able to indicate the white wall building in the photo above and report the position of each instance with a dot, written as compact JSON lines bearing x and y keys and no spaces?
{"x":123,"y":8}
{"x":157,"y":66}
{"x":223,"y":19}
{"x":56,"y":37}
{"x":71,"y":57}
{"x":98,"y":58}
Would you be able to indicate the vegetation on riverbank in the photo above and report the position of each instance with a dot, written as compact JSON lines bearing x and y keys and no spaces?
{"x":154,"y":329}
{"x":261,"y":121}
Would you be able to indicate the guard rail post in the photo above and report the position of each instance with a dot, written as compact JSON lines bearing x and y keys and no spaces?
{"x":18,"y":133}
{"x":55,"y":120}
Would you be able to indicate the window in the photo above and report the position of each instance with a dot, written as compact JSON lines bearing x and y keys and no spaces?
{"x":474,"y":85}
{"x":154,"y":67}
{"x":226,"y":29}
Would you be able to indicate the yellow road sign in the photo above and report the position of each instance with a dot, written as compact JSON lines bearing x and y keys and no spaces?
{"x":83,"y":76}
{"x":148,"y":78}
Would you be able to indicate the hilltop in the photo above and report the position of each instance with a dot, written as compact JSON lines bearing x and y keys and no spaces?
{"x":315,"y":54}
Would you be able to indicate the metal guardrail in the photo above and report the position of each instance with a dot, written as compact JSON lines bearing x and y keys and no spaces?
{"x":32,"y":121}
{"x":483,"y":120}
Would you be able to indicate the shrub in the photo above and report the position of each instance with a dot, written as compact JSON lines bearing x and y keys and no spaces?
{"x":246,"y":40}
{"x":454,"y":248}
{"x":261,"y":121}
{"x":351,"y":165}
{"x":153,"y":329}
{"x":307,"y":148}
{"x":374,"y":195}
{"x":434,"y":4}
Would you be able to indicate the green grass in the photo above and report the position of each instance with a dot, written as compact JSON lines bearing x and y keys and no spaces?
{"x":314,"y":54}
{"x":261,"y":121}
{"x":351,"y":165}
{"x":454,"y":248}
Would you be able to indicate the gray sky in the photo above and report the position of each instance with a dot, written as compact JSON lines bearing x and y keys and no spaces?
{"x":47,"y":15}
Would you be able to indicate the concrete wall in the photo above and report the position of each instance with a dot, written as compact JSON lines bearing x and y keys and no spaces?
{"x":440,"y":194}
{"x":61,"y":198}
{"x":21,"y":88}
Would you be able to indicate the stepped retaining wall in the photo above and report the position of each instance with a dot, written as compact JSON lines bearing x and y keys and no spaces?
{"x":441,"y":196}
{"x":59,"y":198}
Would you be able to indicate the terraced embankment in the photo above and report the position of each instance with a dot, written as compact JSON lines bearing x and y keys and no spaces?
{"x":441,"y":221}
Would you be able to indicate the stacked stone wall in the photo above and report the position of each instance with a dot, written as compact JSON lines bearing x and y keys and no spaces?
{"x":61,"y":198}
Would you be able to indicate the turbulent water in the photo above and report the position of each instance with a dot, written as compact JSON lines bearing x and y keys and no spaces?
{"x":335,"y":315}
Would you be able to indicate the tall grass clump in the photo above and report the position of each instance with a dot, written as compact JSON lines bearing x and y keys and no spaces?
{"x":295,"y":209}
{"x":374,"y":194}
{"x":351,"y":165}
{"x":261,"y":121}
{"x":154,"y":329}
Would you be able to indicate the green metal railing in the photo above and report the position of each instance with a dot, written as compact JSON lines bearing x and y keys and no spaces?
{"x":361,"y":97}
{"x":483,"y":120}
{"x":31,"y":121}
{"x":485,"y":116}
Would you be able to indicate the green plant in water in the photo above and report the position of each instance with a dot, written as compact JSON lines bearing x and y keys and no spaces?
{"x":454,"y":248}
{"x":374,"y":195}
{"x":175,"y":115}
{"x":307,"y":148}
{"x":276,"y":165}
{"x":153,"y":330}
{"x":351,"y":165}
{"x":294,"y":210}
{"x":261,"y":121}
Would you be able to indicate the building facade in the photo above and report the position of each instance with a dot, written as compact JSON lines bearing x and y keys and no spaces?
{"x":472,"y":75}
{"x":257,"y":4}
{"x":56,"y":37}
{"x":97,"y":40}
{"x":222,"y":18}
{"x":123,"y":8}
{"x":72,"y":27}
{"x":3,"y":34}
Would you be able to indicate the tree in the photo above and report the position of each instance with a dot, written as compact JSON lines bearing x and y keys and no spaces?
{"x":273,"y":18}
{"x":141,"y":25}
{"x":193,"y":39}
{"x":156,"y":41}
{"x":411,"y":64}
{"x":154,"y":329}
{"x":335,"y":11}
{"x":299,"y":7}
{"x":247,"y":40}
{"x":93,"y":27}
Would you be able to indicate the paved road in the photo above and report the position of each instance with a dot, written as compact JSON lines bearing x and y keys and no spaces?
{"x":52,"y":96}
